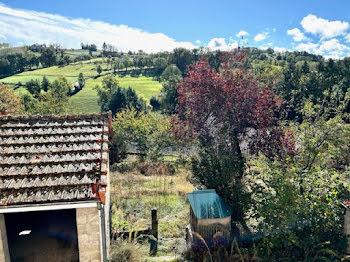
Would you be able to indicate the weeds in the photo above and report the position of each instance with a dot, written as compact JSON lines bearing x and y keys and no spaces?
{"x":134,"y":194}
{"x":128,"y":251}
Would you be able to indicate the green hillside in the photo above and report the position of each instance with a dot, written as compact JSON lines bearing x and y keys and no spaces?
{"x":85,"y":101}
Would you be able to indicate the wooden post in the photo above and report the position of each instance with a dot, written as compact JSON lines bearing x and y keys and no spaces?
{"x":154,"y":233}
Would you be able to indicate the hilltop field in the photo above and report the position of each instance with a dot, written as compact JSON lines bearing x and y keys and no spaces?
{"x":85,"y":101}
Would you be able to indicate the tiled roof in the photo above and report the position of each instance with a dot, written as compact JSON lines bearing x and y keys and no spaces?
{"x":53,"y":158}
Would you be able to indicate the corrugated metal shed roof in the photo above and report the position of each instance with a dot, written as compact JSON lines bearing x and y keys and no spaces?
{"x":207,"y":204}
{"x":52,"y":158}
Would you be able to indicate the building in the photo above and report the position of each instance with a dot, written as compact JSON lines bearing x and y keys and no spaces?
{"x":210,"y":217}
{"x":54,"y":192}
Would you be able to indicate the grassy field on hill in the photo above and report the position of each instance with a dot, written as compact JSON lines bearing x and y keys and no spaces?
{"x":88,"y":68}
{"x":85,"y":101}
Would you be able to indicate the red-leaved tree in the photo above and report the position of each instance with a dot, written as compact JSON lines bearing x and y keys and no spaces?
{"x":232,"y":116}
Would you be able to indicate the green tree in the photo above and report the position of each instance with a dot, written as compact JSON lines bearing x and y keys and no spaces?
{"x":34,"y":61}
{"x":28,"y":102}
{"x":169,"y":95}
{"x":99,"y":69}
{"x":109,"y":86}
{"x":81,"y":80}
{"x":115,"y":98}
{"x":182,"y":58}
{"x":109,"y":61}
{"x":116,"y":66}
{"x":123,"y":98}
{"x":55,"y":101}
{"x":48,"y":57}
{"x":296,"y":200}
{"x":126,"y":62}
{"x":171,"y":71}
{"x":149,"y":132}
{"x":160,"y":64}
{"x":45,"y":84}
{"x":33,"y":87}
{"x":171,"y":77}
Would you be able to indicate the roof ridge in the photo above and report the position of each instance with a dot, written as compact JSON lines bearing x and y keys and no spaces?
{"x":58,"y":117}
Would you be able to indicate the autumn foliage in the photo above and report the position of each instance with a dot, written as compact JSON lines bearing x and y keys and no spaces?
{"x":9,"y":101}
{"x":232,"y":102}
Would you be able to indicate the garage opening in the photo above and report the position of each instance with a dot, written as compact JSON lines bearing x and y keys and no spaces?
{"x":43,"y":236}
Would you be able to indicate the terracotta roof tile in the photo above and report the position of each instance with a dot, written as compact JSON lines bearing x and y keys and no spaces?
{"x":51,"y":158}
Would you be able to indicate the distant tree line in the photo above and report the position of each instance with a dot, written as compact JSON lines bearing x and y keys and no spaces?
{"x":17,"y":60}
{"x":90,"y":47}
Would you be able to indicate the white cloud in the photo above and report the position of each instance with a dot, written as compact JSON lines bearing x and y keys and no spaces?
{"x":308,"y":47}
{"x":242,"y":33}
{"x":279,"y":49}
{"x":266,"y":46}
{"x":330,"y":49}
{"x":198,"y":41}
{"x":323,"y":27}
{"x":297,"y":34}
{"x":347,"y":38}
{"x":333,"y":48}
{"x":38,"y":27}
{"x":261,"y":36}
{"x":220,"y":44}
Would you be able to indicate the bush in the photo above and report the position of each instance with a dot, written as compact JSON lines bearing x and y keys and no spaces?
{"x":296,"y":201}
{"x":124,"y":251}
{"x":154,"y":102}
{"x":150,"y":133}
{"x":123,"y":167}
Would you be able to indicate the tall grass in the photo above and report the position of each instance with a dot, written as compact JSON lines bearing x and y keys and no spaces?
{"x":143,"y":186}
{"x":237,"y":253}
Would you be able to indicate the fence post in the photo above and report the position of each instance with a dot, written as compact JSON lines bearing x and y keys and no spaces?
{"x":154,"y":233}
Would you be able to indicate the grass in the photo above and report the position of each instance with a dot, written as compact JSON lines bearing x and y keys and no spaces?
{"x":85,"y":101}
{"x":77,"y":52}
{"x":26,"y":78}
{"x":134,"y":195}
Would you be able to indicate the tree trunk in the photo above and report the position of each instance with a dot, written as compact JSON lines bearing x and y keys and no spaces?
{"x":237,"y":149}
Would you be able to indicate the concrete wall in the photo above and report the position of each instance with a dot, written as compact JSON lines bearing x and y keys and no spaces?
{"x":89,"y":234}
{"x":4,"y":251}
{"x":106,"y":179}
{"x":347,"y":229}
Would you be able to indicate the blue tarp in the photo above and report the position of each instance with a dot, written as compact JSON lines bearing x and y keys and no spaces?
{"x":208,"y":204}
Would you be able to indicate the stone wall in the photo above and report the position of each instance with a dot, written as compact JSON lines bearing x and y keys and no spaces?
{"x":4,"y":251}
{"x":89,"y":240}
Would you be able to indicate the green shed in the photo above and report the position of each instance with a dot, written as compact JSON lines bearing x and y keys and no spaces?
{"x":210,"y":216}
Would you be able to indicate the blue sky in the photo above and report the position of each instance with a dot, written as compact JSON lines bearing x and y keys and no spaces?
{"x":320,"y":27}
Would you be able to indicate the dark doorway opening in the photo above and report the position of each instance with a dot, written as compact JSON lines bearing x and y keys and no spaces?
{"x":43,"y":236}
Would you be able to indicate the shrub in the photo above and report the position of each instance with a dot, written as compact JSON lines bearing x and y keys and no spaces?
{"x":154,"y":102}
{"x":124,"y":251}
{"x":150,"y":133}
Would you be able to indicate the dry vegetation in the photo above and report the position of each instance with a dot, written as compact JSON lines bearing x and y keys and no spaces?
{"x":143,"y":186}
